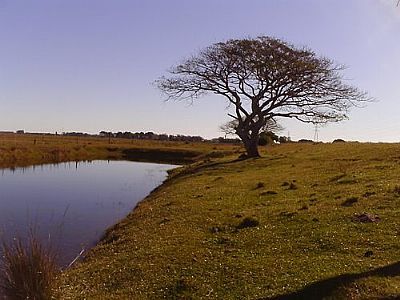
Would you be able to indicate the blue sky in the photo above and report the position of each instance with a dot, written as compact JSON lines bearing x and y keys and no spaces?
{"x":88,"y":65}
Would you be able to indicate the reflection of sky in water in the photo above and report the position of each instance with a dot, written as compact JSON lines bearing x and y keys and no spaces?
{"x":73,"y":203}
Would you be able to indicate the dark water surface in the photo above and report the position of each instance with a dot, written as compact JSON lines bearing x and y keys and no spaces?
{"x":71,"y":204}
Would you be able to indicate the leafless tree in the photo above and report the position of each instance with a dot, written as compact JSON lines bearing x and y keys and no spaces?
{"x":262,"y":79}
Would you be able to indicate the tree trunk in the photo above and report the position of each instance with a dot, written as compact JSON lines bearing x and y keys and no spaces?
{"x":250,"y":136}
{"x":251,"y":145}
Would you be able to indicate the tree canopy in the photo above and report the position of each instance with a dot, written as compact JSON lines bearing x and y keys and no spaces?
{"x":262,"y":79}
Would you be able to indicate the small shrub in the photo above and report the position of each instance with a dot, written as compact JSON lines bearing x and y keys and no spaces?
{"x":304,"y":207}
{"x":350,"y":201}
{"x":268,"y":193}
{"x":338,"y":177}
{"x":216,"y":229}
{"x":260,"y":185}
{"x":368,"y":194}
{"x":288,"y":214}
{"x":347,"y":181}
{"x":218,"y":178}
{"x":369,"y":253}
{"x":181,"y":289}
{"x":396,"y":190}
{"x":366,"y":218}
{"x":248,"y":222}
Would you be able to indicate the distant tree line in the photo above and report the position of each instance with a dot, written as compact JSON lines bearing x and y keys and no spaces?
{"x":151,"y":136}
{"x":83,"y":134}
{"x":267,"y":137}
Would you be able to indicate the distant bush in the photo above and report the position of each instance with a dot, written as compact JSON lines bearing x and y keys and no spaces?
{"x":338,"y":141}
{"x":305,"y":141}
{"x":284,"y":139}
{"x":267,"y":138}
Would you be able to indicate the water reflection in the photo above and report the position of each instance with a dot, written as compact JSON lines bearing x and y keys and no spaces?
{"x":73,"y":203}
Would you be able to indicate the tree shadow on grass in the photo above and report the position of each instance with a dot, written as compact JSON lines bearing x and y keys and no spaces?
{"x":325,"y":288}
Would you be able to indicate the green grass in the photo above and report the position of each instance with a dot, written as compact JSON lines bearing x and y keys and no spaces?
{"x":257,"y":229}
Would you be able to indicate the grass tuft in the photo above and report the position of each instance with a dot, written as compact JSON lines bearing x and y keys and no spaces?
{"x":181,"y":289}
{"x":350,"y":201}
{"x":28,"y":270}
{"x":396,"y":190}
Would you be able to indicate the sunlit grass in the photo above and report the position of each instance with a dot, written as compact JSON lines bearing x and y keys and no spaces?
{"x":256,"y":229}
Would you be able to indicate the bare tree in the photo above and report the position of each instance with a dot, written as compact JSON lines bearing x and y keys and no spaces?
{"x":263,"y":79}
{"x":229,"y":128}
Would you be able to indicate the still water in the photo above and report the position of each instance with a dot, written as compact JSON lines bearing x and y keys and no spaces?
{"x":71,"y":204}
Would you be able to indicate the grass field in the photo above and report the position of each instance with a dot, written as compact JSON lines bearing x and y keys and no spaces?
{"x":285,"y":226}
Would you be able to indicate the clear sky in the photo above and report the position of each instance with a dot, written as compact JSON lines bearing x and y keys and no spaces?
{"x":88,"y":65}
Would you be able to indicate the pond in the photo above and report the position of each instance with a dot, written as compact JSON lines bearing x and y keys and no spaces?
{"x":71,"y":204}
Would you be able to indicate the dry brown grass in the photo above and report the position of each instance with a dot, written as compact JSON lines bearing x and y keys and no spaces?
{"x":20,"y":150}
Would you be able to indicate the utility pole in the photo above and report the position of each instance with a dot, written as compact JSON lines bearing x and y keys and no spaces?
{"x":316,"y":133}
